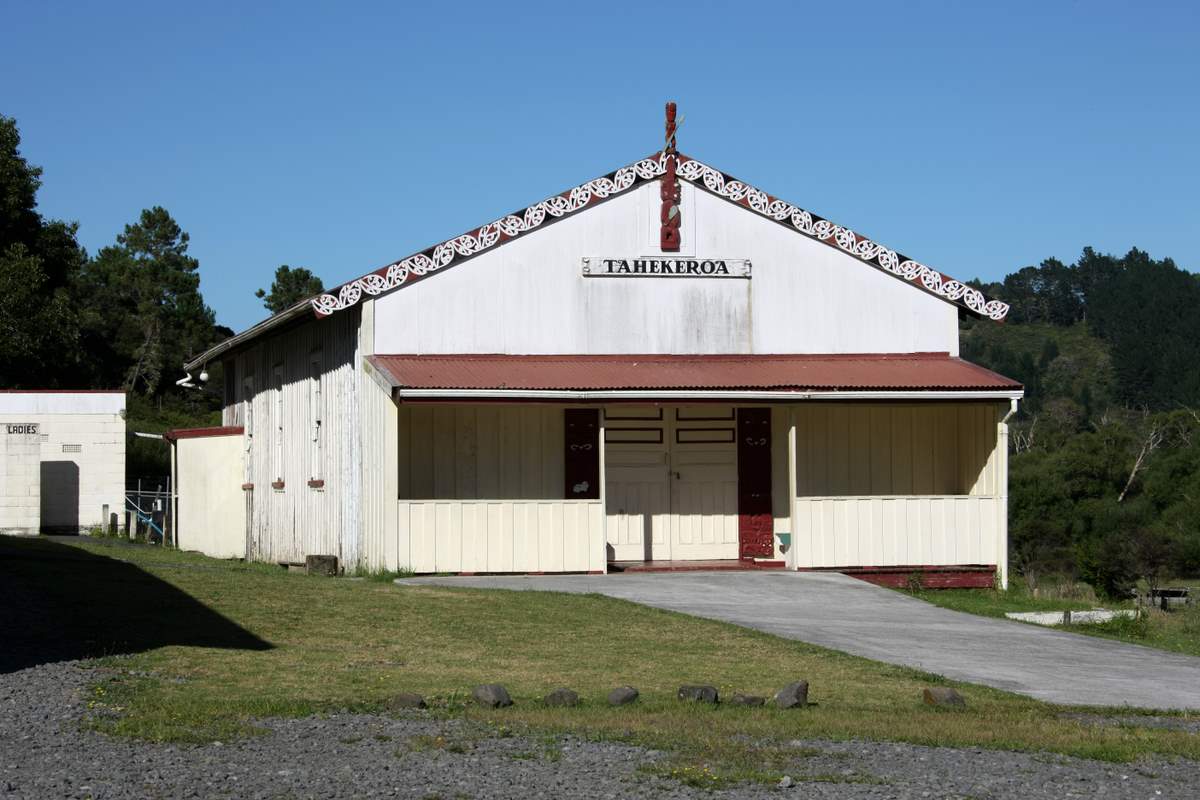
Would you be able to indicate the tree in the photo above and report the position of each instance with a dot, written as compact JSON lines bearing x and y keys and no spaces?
{"x":1149,"y":312}
{"x":143,"y":303}
{"x":39,"y":259}
{"x":291,"y":285}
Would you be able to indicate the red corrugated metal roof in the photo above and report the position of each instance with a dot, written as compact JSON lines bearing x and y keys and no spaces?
{"x":908,"y":371}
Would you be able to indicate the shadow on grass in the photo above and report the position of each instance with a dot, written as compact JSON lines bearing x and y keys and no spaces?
{"x":59,"y":602}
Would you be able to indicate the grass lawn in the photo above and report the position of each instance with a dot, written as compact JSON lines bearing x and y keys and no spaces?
{"x":199,"y":648}
{"x":1177,"y":631}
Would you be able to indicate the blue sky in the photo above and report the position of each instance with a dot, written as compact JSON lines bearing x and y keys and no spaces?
{"x":975,"y":137}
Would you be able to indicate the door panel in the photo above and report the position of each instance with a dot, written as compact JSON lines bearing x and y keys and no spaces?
{"x":672,"y":488}
{"x":704,"y":483}
{"x":581,"y":453}
{"x":638,"y":489}
{"x":755,"y":521}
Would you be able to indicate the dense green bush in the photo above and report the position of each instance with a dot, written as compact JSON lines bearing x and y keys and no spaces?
{"x":1105,"y":471}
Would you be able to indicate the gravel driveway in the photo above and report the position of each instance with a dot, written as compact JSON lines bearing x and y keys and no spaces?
{"x":856,"y":617}
{"x":44,"y":753}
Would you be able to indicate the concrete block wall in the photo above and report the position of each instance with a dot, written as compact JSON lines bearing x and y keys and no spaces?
{"x":20,"y":482}
{"x":80,"y":453}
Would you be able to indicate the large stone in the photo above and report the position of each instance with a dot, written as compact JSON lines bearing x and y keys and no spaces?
{"x":321,"y":565}
{"x":561,"y":697}
{"x":406,"y":700}
{"x":943,"y":696}
{"x":699,"y":694}
{"x":794,"y":695}
{"x":622,"y":695}
{"x":491,"y":695}
{"x":740,"y":699}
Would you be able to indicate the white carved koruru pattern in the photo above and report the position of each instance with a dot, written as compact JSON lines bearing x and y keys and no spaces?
{"x":489,"y":235}
{"x":846,"y":239}
{"x":715,"y":181}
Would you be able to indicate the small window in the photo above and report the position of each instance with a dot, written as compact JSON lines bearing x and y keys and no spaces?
{"x":229,"y":374}
{"x":316,"y":413}
{"x":248,"y":424}
{"x":277,"y":376}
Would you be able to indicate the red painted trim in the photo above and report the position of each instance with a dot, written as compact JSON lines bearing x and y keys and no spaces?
{"x":277,"y":485}
{"x":712,"y":565}
{"x":202,"y":433}
{"x":933,"y":576}
{"x":484,"y":574}
{"x":62,"y":391}
{"x":316,"y":484}
{"x":906,"y":568}
{"x":247,"y":487}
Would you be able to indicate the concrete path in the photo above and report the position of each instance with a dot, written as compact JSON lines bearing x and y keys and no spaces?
{"x":847,"y":614}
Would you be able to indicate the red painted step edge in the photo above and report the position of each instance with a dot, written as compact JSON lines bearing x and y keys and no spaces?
{"x":940,"y":576}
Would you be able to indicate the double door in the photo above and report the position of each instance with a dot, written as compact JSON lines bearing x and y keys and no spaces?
{"x":672,"y":482}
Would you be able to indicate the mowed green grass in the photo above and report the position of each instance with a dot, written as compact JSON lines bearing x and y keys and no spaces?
{"x":1177,"y":631}
{"x":332,"y":644}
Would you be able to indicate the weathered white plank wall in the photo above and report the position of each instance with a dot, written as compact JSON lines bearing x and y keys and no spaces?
{"x":529,"y":296}
{"x":895,"y":531}
{"x":287,"y":524}
{"x":211,"y":508}
{"x":895,"y":449}
{"x":487,"y":452}
{"x":380,"y":440}
{"x":498,"y":536}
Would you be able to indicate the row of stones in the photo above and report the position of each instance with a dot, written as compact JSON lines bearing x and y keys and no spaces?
{"x":794,"y":695}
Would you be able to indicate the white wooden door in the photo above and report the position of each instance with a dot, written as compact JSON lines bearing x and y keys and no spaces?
{"x":671,"y":483}
{"x":637,"y":483}
{"x":704,"y":514}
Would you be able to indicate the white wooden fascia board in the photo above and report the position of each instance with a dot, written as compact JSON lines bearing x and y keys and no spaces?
{"x":300,"y":309}
{"x":691,"y":394}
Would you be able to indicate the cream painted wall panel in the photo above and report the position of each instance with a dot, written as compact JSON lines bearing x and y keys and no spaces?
{"x":525,"y":536}
{"x":529,"y":295}
{"x":212,"y":509}
{"x":504,"y":536}
{"x":481,"y":452}
{"x":895,"y":449}
{"x":895,"y":531}
{"x":422,"y":526}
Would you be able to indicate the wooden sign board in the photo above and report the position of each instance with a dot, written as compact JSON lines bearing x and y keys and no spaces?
{"x":658,"y":267}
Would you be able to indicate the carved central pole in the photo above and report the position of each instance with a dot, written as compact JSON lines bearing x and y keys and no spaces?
{"x":669,"y":234}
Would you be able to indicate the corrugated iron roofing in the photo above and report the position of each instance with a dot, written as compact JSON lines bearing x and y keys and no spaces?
{"x":909,"y":371}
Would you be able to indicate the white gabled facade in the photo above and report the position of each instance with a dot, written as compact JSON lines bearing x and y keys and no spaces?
{"x":529,"y":296}
{"x":379,"y":453}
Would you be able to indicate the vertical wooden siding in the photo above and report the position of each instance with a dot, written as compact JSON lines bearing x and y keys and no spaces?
{"x":498,"y":536}
{"x":380,"y":439}
{"x":489,"y":452}
{"x":848,"y":450}
{"x":285,"y":525}
{"x":895,"y":531}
